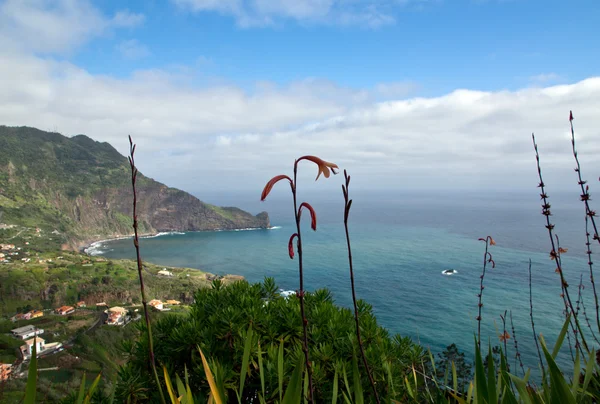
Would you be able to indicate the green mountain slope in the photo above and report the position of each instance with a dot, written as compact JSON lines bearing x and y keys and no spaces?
{"x":81,"y":188}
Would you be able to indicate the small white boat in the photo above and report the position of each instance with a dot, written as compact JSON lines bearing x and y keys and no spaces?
{"x":449,"y":272}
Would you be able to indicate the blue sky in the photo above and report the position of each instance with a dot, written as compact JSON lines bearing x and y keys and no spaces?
{"x":437,"y":45}
{"x":223,"y":94}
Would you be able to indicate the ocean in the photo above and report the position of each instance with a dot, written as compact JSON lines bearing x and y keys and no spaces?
{"x":401,"y":244}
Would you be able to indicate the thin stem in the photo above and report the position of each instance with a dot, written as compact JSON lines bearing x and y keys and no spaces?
{"x":535,"y":337}
{"x":347,"y":205}
{"x":587,"y":320}
{"x":514,"y":334}
{"x":503,"y":317}
{"x":136,"y":243}
{"x":301,"y":292}
{"x":486,"y":258}
{"x":555,"y":253}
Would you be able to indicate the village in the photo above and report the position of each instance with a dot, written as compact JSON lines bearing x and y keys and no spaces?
{"x":96,"y":300}
{"x":31,"y":335}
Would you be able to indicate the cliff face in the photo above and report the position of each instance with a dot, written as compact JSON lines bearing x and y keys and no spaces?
{"x":81,"y":188}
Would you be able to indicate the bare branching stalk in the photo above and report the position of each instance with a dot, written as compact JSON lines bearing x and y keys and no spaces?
{"x":535,"y":336}
{"x":556,"y":251}
{"x":136,"y":243}
{"x":347,"y":205}
{"x":517,"y":352}
{"x":589,"y":216}
{"x":487,"y":258}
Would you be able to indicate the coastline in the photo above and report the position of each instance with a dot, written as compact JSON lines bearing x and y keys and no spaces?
{"x":84,"y":246}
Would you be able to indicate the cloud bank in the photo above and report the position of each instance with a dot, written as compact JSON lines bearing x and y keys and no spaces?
{"x":224,"y":137}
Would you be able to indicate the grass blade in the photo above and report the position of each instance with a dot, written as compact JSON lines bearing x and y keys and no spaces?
{"x":491,"y":377}
{"x":245,"y":359}
{"x":334,"y":394}
{"x":560,"y":391}
{"x":172,"y":395}
{"x":30,"y":388}
{"x":481,"y":392}
{"x":81,"y":394}
{"x":589,"y":370}
{"x":181,"y":391}
{"x":561,"y":337}
{"x":280,"y":370}
{"x":88,"y":397}
{"x":216,"y":394}
{"x":261,"y":370}
{"x":358,"y":391}
{"x":293,"y":393}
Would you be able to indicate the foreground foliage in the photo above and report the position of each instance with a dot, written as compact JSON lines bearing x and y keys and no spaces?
{"x":225,"y":321}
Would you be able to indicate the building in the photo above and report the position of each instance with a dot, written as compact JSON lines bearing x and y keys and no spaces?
{"x":40,"y":345}
{"x":5,"y":371}
{"x":64,"y":310}
{"x":26,"y":332}
{"x":17,"y":317}
{"x":157,"y":304}
{"x":116,"y":316}
{"x":35,"y":314}
{"x":173,"y":302}
{"x":80,"y":304}
{"x":164,"y":272}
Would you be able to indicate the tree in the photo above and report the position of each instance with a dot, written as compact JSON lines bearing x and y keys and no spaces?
{"x":463,"y":368}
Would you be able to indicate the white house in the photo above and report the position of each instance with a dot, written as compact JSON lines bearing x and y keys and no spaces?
{"x":26,"y":332}
{"x":40,"y":346}
{"x":164,"y":272}
{"x":157,"y":304}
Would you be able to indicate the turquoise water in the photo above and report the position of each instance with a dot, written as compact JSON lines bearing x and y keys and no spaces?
{"x":400,"y":246}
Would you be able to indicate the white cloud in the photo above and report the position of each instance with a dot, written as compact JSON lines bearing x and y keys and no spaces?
{"x":56,"y":26}
{"x":222,"y":137}
{"x":369,"y":13}
{"x":125,"y":18}
{"x":545,"y":78}
{"x":132,"y":49}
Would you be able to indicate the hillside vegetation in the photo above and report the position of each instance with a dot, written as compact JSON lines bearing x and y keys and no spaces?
{"x":80,"y":188}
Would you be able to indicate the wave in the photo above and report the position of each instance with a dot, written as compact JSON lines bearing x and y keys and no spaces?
{"x":286,"y":293}
{"x":164,"y":233}
{"x":274,"y":228}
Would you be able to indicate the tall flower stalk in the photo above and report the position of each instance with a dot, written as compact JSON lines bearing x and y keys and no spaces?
{"x":325,"y":168}
{"x":589,"y":217}
{"x":136,"y":243}
{"x":555,"y":253}
{"x":347,"y":205}
{"x":487,"y":258}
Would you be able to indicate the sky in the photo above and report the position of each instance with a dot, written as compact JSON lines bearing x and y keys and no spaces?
{"x":221,"y":95}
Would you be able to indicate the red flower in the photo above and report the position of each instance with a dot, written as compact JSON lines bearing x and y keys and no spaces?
{"x":323,"y":165}
{"x":313,"y":215}
{"x":291,"y":245}
{"x":271,"y":183}
{"x":504,"y":336}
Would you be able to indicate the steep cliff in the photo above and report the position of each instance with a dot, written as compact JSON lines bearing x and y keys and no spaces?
{"x":81,"y":189}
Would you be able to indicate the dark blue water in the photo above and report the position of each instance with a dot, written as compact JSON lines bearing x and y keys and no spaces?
{"x":401,"y":244}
